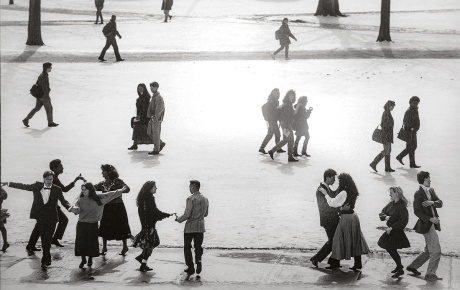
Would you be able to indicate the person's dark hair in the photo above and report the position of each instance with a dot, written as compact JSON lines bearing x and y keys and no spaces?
{"x":92,"y":193}
{"x":46,"y":65}
{"x":388,"y":105}
{"x":112,"y":171}
{"x":196,"y":183}
{"x":54,"y":164}
{"x":113,"y":18}
{"x":284,"y":20}
{"x":154,"y":84}
{"x":144,"y":194}
{"x":145,"y":94}
{"x":303,"y":100}
{"x":286,"y":97}
{"x":421,"y":176}
{"x":329,"y":173}
{"x":272,"y":96}
{"x":414,"y":99}
{"x":347,"y":184}
{"x":48,"y":173}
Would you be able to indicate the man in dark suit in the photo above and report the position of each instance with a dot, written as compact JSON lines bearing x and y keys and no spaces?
{"x":110,"y":33}
{"x":44,"y":209}
{"x":425,"y":203}
{"x":411,"y":123}
{"x":329,"y":218}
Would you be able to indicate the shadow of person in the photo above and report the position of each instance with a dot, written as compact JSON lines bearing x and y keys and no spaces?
{"x":410,"y":174}
{"x":386,"y":49}
{"x":108,"y":266}
{"x":386,"y":178}
{"x":28,"y":52}
{"x":391,"y":283}
{"x":37,"y":133}
{"x":38,"y":274}
{"x":77,"y":275}
{"x":338,"y":278}
{"x":143,"y":277}
{"x":144,"y":158}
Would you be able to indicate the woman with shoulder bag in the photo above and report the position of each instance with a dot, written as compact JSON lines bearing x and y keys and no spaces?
{"x":387,"y":125}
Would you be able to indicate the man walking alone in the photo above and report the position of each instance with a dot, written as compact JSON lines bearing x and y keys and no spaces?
{"x":110,"y":31}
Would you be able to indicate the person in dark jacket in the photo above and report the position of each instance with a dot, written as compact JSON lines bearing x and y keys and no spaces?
{"x":284,"y":35}
{"x":3,"y":216}
{"x":411,"y":123}
{"x":149,"y":214}
{"x":396,"y":216}
{"x":301,"y":125}
{"x":286,"y":121}
{"x":166,"y":6}
{"x":111,"y":40}
{"x":425,"y":203}
{"x":387,"y":125}
{"x":271,"y":115}
{"x":44,"y":209}
{"x":141,"y":121}
{"x":99,"y":6}
{"x":44,"y":83}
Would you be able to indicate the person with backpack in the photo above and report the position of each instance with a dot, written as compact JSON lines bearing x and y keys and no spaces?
{"x":270,"y":112}
{"x":286,"y":121}
{"x":110,"y":31}
{"x":301,"y":125}
{"x":283,"y":34}
{"x":99,"y":6}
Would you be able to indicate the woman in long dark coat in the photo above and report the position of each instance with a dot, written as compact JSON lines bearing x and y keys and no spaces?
{"x":114,"y":222}
{"x":284,"y":35}
{"x":166,"y":6}
{"x":141,"y":122}
{"x":271,"y":116}
{"x":301,"y":125}
{"x":149,"y":214}
{"x":387,"y":125}
{"x":396,"y":215}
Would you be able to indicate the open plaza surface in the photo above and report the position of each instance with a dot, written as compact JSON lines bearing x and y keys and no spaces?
{"x":213,"y":65}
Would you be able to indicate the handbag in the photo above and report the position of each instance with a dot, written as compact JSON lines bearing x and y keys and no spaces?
{"x":404,"y":135}
{"x":36,"y":91}
{"x":377,"y":136}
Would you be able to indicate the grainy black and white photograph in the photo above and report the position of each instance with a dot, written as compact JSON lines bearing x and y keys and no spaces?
{"x":229,"y":144}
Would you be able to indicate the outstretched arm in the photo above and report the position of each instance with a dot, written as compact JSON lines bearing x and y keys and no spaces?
{"x":28,"y":187}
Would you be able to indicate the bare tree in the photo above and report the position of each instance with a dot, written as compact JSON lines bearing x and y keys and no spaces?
{"x":384,"y":33}
{"x":34,"y":29}
{"x":328,"y":7}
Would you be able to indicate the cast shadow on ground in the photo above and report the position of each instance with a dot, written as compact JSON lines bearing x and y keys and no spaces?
{"x":37,"y":133}
{"x":109,"y":266}
{"x":386,"y":49}
{"x":386,"y":178}
{"x":409,"y":174}
{"x":394,"y":283}
{"x":28,"y":52}
{"x":429,"y":284}
{"x":337,"y":277}
{"x":81,"y":275}
{"x":38,"y":275}
{"x":286,"y":167}
{"x":144,"y":158}
{"x":143,"y":277}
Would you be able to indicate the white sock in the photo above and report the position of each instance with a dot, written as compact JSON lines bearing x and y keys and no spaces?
{"x":144,"y":261}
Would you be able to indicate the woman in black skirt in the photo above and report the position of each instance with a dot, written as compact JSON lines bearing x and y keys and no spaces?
{"x":89,"y":207}
{"x":114,"y":223}
{"x":397,"y":217}
{"x":141,"y":121}
{"x":149,"y":214}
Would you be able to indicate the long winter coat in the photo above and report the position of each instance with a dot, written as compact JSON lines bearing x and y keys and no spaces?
{"x":387,"y":125}
{"x":285,"y":34}
{"x":300,"y":120}
{"x":287,"y":116}
{"x":411,"y":120}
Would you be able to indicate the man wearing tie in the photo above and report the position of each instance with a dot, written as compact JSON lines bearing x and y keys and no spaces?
{"x":425,"y":203}
{"x":44,"y":209}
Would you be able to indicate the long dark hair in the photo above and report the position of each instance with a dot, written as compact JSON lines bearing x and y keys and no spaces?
{"x":144,"y":194}
{"x":388,"y":104}
{"x":92,"y":193}
{"x":347,"y":184}
{"x":272,"y":97}
{"x":112,"y":171}
{"x":286,"y":99}
{"x":145,"y":94}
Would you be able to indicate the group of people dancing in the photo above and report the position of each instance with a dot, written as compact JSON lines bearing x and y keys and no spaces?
{"x":108,"y":208}
{"x":291,"y":118}
{"x":343,"y":229}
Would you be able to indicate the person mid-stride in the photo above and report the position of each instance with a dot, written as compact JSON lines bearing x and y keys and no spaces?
{"x":283,"y":35}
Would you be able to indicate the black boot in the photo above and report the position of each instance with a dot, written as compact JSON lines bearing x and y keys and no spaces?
{"x":374,"y":163}
{"x":295,"y":154}
{"x":387,"y":164}
{"x":292,"y":159}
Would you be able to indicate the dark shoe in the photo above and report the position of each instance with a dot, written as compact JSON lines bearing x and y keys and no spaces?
{"x":295,"y":154}
{"x":292,"y":159}
{"x":398,"y":273}
{"x":25,"y":122}
{"x":121,"y":59}
{"x":134,"y":147}
{"x":90,"y":263}
{"x":154,"y":153}
{"x":56,"y":243}
{"x":198,"y":267}
{"x":432,"y":277}
{"x":414,"y":271}
{"x":373,"y":167}
{"x":162,"y":145}
{"x":190,"y":271}
{"x":44,"y":267}
{"x":139,"y":258}
{"x":101,"y":22}
{"x":52,"y":124}
{"x":389,"y":170}
{"x":356,"y":268}
{"x":396,"y":269}
{"x":170,"y":17}
{"x":415,"y":166}
{"x":333,"y":267}
{"x":314,"y":262}
{"x":5,"y":246}
{"x":104,"y":251}
{"x":261,"y":150}
{"x":399,"y":159}
{"x":33,"y":249}
{"x":145,"y":268}
{"x":82,"y":265}
{"x":96,"y":22}
{"x":271,"y":154}
{"x":101,"y":59}
{"x":280,"y":151}
{"x":304,"y":153}
{"x":123,"y":252}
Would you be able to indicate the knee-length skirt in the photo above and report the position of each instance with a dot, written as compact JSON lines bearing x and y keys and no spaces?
{"x":114,"y":223}
{"x":348,"y":239}
{"x":86,"y":241}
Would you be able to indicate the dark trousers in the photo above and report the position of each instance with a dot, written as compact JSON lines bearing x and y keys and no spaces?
{"x":99,"y":14}
{"x":273,"y":129}
{"x":45,"y":101}
{"x":286,"y":139}
{"x":327,"y":247}
{"x":46,"y":229}
{"x":410,"y":149}
{"x":197,"y":241}
{"x":286,"y":51}
{"x":111,"y":41}
{"x":62,"y":225}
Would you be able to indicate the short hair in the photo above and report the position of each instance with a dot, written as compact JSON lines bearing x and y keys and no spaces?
{"x":196,"y":183}
{"x":388,"y":104}
{"x":48,"y":173}
{"x":154,"y":84}
{"x":421,"y":176}
{"x":46,"y":65}
{"x":284,"y":19}
{"x":329,"y":173}
{"x":54,"y":163}
{"x":414,"y":99}
{"x":112,"y":171}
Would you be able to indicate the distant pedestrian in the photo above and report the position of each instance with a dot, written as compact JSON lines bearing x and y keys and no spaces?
{"x":286,"y":121}
{"x":425,"y":203}
{"x":149,"y":214}
{"x":89,"y":208}
{"x":44,"y":209}
{"x":141,"y":121}
{"x":3,"y":216}
{"x":166,"y":6}
{"x":114,"y":222}
{"x":271,"y":115}
{"x":396,"y":216}
{"x":156,"y":113}
{"x":348,"y":239}
{"x":110,"y":31}
{"x":387,"y":123}
{"x":44,"y":83}
{"x":411,"y":123}
{"x":301,"y":125}
{"x":283,"y":35}
{"x":195,"y":211}
{"x":99,"y":6}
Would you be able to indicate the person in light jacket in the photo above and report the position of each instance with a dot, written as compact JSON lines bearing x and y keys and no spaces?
{"x":156,"y":113}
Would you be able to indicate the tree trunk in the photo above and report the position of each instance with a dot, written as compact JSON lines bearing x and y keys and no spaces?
{"x":384,"y":33}
{"x":11,"y":2}
{"x":34,"y":30}
{"x":328,"y":7}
